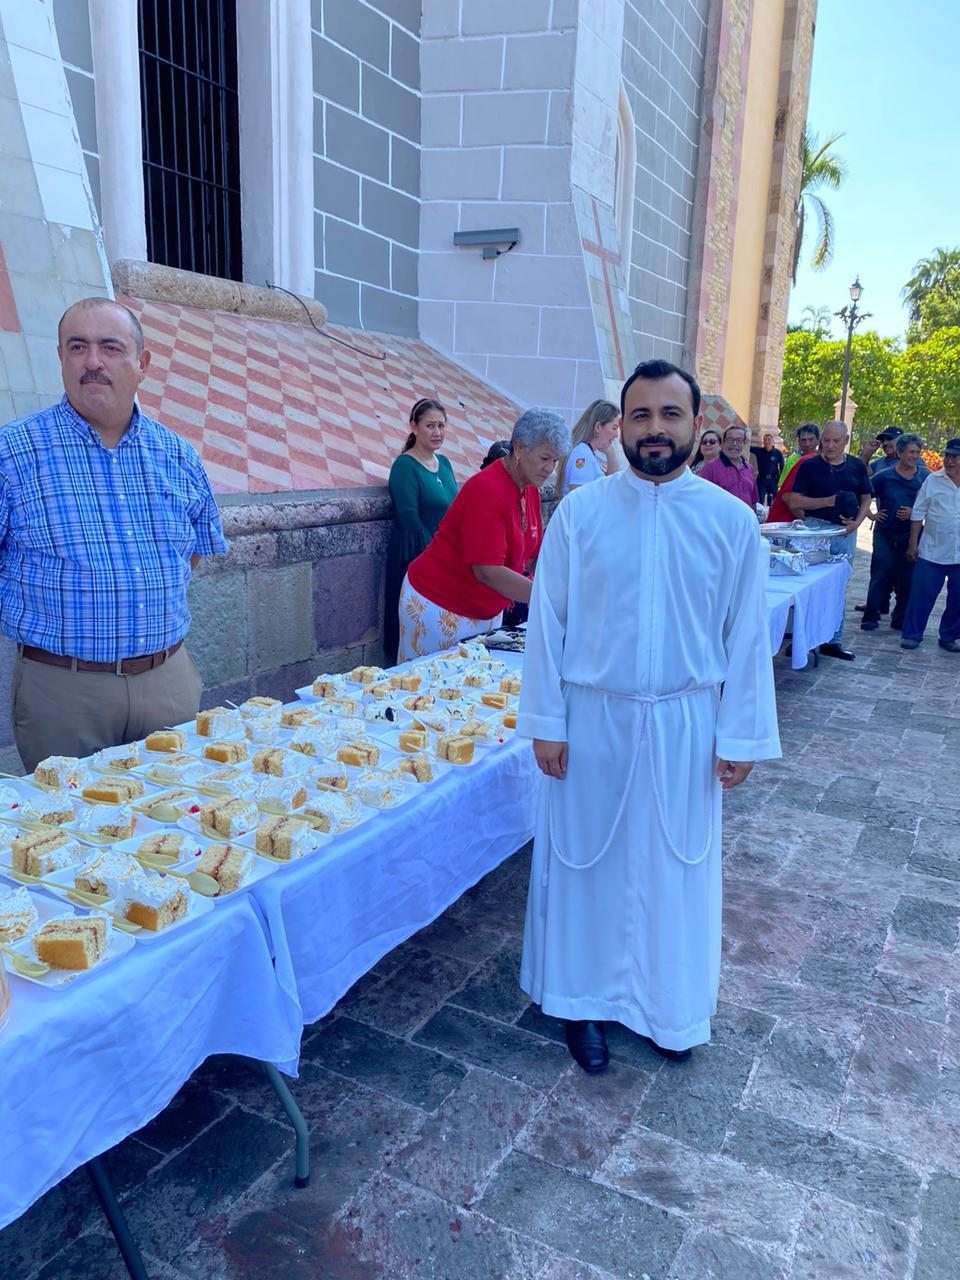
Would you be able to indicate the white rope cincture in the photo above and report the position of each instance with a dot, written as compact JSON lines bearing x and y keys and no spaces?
{"x":646,"y":701}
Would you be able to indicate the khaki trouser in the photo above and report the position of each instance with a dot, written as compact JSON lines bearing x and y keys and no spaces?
{"x":59,"y":712}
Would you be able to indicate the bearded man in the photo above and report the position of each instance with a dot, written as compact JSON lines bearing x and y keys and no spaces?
{"x":647,"y":600}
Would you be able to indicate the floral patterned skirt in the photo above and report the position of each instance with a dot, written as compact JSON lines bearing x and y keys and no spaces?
{"x":425,"y":628}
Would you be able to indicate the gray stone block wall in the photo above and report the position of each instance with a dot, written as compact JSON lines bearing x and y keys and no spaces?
{"x":366,"y":61}
{"x":663,"y":57}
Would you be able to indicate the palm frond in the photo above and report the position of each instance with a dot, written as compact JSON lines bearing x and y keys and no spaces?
{"x":823,"y":251}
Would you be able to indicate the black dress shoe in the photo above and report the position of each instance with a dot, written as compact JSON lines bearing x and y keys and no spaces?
{"x":951,"y":646}
{"x":588,"y":1046}
{"x":869,"y":625}
{"x":837,"y":651}
{"x":671,"y":1055}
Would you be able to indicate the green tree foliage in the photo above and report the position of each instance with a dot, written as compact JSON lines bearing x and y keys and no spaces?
{"x":929,"y":273}
{"x":822,"y":170}
{"x":917,"y":388}
{"x":938,"y":309}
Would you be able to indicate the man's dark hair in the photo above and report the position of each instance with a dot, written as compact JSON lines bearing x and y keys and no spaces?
{"x":653,"y":371}
{"x":99,"y":301}
{"x":809,"y":427}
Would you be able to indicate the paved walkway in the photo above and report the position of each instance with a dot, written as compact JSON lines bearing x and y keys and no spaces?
{"x":818,"y":1135}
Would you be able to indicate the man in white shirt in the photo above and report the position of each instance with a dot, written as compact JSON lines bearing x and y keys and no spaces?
{"x":648,"y":597}
{"x":937,"y":554}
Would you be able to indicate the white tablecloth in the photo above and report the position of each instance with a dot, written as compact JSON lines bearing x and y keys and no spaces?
{"x":83,"y":1068}
{"x":333,"y":916}
{"x":817,"y":598}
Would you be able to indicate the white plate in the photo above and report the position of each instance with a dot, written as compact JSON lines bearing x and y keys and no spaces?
{"x":142,"y":828}
{"x":197,"y":906}
{"x":366,"y":813}
{"x":47,"y":908}
{"x":475,"y":695}
{"x":261,"y":867}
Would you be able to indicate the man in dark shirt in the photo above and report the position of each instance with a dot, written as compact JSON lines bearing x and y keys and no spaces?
{"x":886,"y":442}
{"x":769,"y":462}
{"x":835,"y":487}
{"x":894,"y":489}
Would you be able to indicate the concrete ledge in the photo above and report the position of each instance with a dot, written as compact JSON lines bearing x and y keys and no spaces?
{"x":245,"y":513}
{"x":150,"y":281}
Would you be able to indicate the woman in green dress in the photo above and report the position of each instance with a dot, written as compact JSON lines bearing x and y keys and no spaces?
{"x":422,"y":486}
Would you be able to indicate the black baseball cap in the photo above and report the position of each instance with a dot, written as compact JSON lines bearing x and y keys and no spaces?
{"x":952,"y":446}
{"x":890,"y":433}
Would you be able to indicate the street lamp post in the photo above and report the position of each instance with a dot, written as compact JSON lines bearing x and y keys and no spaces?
{"x":851,"y":317}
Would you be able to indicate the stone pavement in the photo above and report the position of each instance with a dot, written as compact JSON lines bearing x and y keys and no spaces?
{"x":817,"y":1136}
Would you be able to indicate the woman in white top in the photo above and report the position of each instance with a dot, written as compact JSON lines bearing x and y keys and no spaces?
{"x":592,"y":456}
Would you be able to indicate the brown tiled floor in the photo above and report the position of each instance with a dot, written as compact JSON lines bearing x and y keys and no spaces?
{"x":453,"y":1139}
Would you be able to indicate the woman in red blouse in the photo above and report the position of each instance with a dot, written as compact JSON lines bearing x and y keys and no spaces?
{"x":486,"y":542}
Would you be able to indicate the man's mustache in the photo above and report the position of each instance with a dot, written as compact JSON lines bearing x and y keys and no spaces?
{"x":95,"y":377}
{"x":650,"y":440}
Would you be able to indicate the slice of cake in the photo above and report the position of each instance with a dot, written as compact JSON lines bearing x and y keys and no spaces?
{"x":510,"y":684}
{"x":230,"y":781}
{"x":495,"y":699}
{"x":359,"y":752}
{"x":379,"y":789}
{"x":113,"y":790}
{"x":314,"y":741}
{"x":330,"y":812}
{"x":72,"y":942}
{"x":18,"y":915}
{"x":409,"y":681}
{"x":179,"y":770}
{"x":107,"y":822}
{"x":455,"y":748}
{"x":218,"y":722}
{"x":163,"y":844}
{"x":336,"y":707}
{"x":509,"y":720}
{"x":60,"y":773}
{"x":228,"y":864}
{"x":326,"y":686}
{"x":285,"y":838}
{"x":479,"y":729}
{"x":417,"y":767}
{"x":231,"y":817}
{"x":477,"y":678}
{"x":280,"y":795}
{"x":472,"y":649}
{"x":436,"y":721}
{"x":419,"y":702}
{"x":53,"y":808}
{"x":298,"y":716}
{"x":120,"y":759}
{"x":166,"y":740}
{"x":413,"y":740}
{"x":366,"y":675}
{"x":450,"y":692}
{"x":226,"y":752}
{"x":41,"y":852}
{"x":383,"y":713}
{"x":329,"y":774}
{"x":278,"y":762}
{"x":169,"y":806}
{"x":102,"y":871}
{"x":260,"y":703}
{"x":151,"y":900}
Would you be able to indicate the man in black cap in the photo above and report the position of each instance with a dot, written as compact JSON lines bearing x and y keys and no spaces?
{"x":835,"y":487}
{"x":936,"y":554}
{"x":887,"y":442}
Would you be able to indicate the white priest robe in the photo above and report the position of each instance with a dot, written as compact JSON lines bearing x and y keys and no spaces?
{"x":647,"y":597}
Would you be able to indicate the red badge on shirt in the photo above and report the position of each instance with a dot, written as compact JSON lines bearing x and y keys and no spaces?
{"x":579,"y":463}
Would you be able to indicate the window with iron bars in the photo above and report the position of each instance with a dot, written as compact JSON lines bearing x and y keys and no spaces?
{"x":191,"y":134}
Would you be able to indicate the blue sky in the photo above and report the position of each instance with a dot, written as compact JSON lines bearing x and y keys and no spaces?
{"x":886,"y":74}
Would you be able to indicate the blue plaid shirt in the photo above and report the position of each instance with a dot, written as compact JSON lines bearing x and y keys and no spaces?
{"x":95,"y":543}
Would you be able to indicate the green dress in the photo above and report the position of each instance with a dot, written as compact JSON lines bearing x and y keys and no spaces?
{"x":420,"y":501}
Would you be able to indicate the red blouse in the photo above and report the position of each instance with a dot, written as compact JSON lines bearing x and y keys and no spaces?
{"x":489,"y":522}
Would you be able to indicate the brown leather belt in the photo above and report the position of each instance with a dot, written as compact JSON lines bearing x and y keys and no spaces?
{"x":122,"y":667}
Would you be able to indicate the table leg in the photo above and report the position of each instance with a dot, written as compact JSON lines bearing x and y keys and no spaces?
{"x":118,"y":1223}
{"x":288,"y":1102}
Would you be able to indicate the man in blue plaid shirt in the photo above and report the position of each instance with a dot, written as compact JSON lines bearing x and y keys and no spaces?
{"x":103,"y":515}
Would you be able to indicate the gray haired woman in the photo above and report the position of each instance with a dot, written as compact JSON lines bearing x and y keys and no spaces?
{"x":895,"y":490}
{"x":486,"y":545}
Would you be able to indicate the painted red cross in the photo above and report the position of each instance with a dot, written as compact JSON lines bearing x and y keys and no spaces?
{"x":599,"y":250}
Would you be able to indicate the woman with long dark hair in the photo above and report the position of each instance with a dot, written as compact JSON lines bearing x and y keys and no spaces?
{"x":422,"y":486}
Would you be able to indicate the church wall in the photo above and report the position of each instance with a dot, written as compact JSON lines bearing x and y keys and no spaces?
{"x":664,"y":49}
{"x":366,"y":59}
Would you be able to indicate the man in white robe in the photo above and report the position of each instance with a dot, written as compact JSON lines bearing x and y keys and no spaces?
{"x":648,"y":597}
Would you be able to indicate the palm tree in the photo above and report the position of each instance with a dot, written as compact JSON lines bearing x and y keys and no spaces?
{"x":929,"y":273}
{"x":816,"y":320}
{"x":820,"y":171}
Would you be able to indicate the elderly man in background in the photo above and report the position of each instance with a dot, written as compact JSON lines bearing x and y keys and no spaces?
{"x":833,"y":486}
{"x":730,"y":470}
{"x":936,"y":555}
{"x":894,"y":490}
{"x":769,"y":462}
{"x":103,"y":515}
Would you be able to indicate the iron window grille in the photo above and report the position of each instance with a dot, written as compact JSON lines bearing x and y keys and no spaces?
{"x":191,"y":134}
